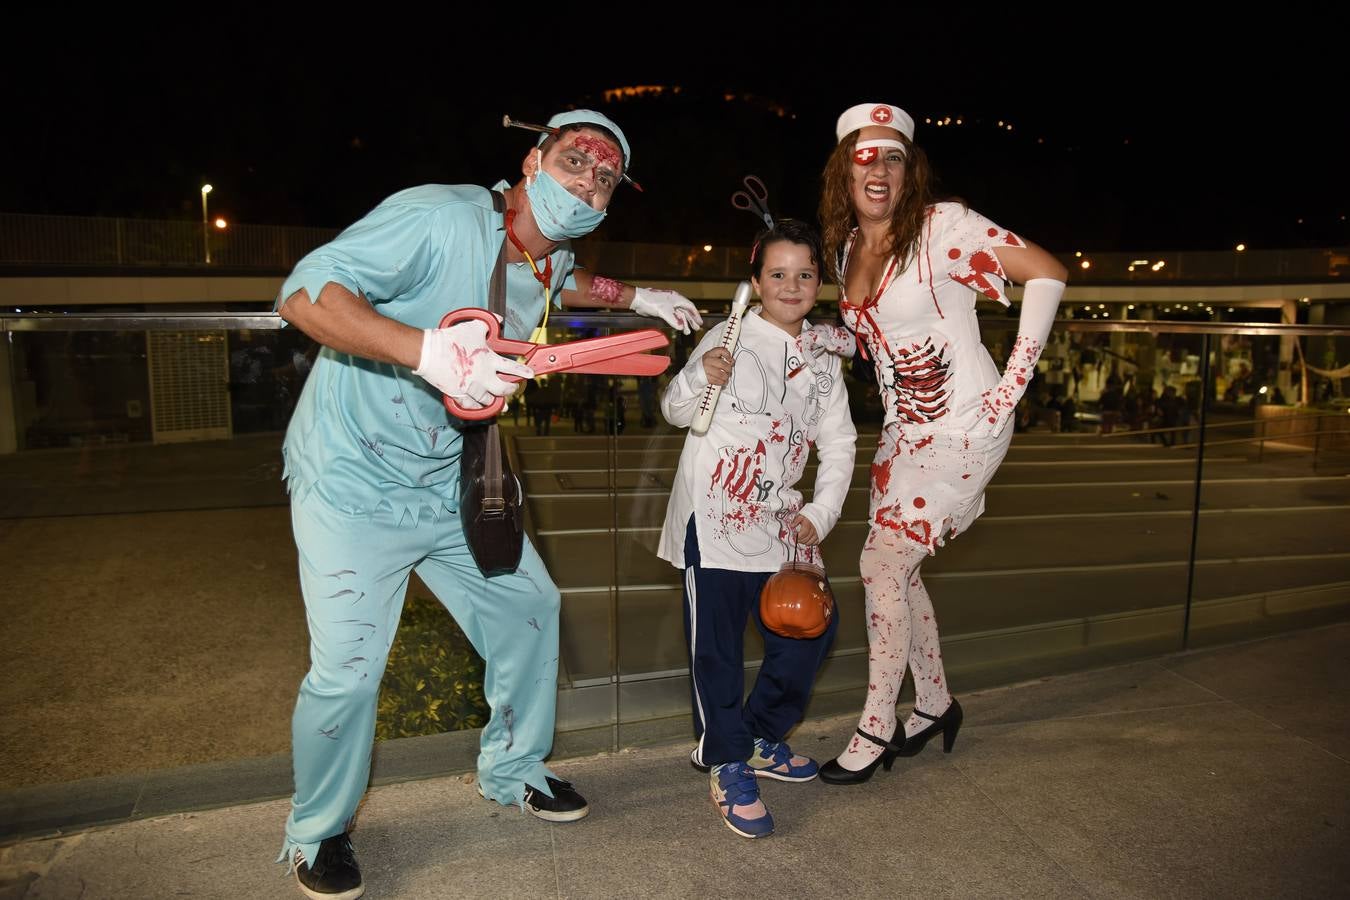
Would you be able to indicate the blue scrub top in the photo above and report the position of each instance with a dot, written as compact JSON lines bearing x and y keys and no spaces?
{"x":371,"y":435}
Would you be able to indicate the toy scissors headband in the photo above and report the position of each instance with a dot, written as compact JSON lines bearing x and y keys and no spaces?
{"x":754,"y":200}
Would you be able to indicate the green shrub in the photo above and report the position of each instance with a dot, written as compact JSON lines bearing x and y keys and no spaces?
{"x":434,"y":680}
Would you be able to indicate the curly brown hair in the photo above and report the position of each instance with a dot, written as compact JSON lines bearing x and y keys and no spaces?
{"x":837,"y":217}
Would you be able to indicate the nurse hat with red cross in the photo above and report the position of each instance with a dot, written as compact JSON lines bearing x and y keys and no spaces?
{"x":865,"y":114}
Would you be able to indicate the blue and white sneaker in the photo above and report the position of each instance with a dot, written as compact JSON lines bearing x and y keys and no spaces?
{"x":775,"y":759}
{"x":735,"y":793}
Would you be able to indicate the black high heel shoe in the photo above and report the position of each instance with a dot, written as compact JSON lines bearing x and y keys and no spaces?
{"x":948,"y":723}
{"x":834,"y":773}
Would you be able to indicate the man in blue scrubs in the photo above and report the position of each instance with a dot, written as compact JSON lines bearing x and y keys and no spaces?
{"x":372,"y":466}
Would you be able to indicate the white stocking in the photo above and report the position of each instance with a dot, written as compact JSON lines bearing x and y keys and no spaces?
{"x":888,"y":566}
{"x":925,"y":658}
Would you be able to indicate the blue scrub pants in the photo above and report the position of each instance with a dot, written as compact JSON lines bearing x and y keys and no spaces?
{"x":354,"y":575}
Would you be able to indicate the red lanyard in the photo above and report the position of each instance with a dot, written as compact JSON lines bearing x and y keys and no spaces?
{"x":546,"y":277}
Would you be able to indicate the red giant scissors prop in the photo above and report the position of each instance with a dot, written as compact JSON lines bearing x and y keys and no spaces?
{"x":615,"y":354}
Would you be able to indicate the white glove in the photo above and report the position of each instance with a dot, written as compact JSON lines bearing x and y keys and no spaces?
{"x":678,"y":310}
{"x":836,"y":339}
{"x":1040,"y":299}
{"x":458,"y":362}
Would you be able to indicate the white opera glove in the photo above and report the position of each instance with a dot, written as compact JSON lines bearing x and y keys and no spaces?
{"x":836,"y":339}
{"x":458,"y":362}
{"x":678,"y":310}
{"x":1040,"y":299}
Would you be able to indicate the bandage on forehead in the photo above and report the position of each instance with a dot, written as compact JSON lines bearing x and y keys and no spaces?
{"x":866,"y":152}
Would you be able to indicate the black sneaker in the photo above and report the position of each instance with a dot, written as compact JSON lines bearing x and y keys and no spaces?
{"x":334,"y":874}
{"x":566,"y":805}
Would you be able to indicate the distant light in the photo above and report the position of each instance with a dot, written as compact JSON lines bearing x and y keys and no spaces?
{"x":221,"y":223}
{"x":1087,"y":307}
{"x":958,"y":121}
{"x":1094,"y":315}
{"x":1000,"y":123}
{"x":1159,"y":264}
{"x":1131,"y":306}
{"x":1139,"y":262}
{"x":1230,"y":309}
{"x":1263,"y":389}
{"x":1303,"y":300}
{"x":1101,"y":306}
{"x":1010,"y":126}
{"x":1129,"y":268}
{"x":1078,"y":254}
{"x":206,"y":189}
{"x":1240,"y":247}
{"x":707,"y":248}
{"x":1105,"y":315}
{"x":1085,"y":264}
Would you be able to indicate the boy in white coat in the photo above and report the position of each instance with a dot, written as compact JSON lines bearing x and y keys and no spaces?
{"x":735,"y":517}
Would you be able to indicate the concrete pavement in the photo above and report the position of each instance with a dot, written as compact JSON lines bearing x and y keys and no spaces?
{"x":1217,"y":773}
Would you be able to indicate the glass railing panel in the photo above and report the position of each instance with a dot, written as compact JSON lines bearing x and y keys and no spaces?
{"x":1273,"y":533}
{"x":153,"y":578}
{"x":128,"y":421}
{"x":581,"y":446}
{"x":143,"y":465}
{"x":145,"y":468}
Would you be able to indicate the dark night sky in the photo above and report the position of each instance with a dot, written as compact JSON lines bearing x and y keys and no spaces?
{"x":1153,"y":139}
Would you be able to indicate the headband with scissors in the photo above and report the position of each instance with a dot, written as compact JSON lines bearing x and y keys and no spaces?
{"x":754,"y":200}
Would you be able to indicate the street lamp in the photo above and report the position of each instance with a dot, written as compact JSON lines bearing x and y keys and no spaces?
{"x":206,"y":225}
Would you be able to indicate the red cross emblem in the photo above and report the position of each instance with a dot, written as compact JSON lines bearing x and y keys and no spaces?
{"x":881,"y":115}
{"x":865,"y":155}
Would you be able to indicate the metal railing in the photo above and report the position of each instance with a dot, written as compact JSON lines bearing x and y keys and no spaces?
{"x":56,"y":241}
{"x":41,"y":241}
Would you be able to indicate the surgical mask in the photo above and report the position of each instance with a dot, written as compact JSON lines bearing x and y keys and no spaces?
{"x":560,"y":215}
